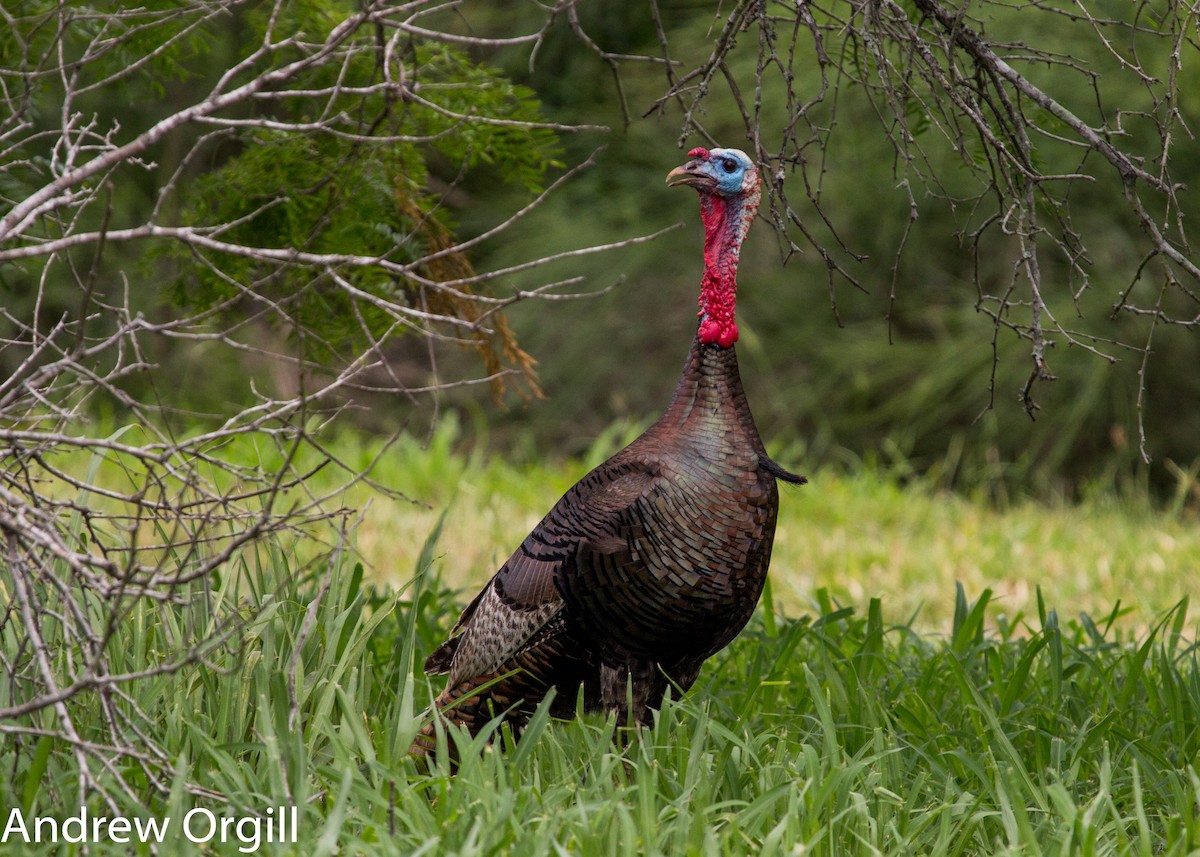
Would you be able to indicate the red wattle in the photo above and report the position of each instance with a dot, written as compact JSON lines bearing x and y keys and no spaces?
{"x":725,"y":222}
{"x":724,"y":333}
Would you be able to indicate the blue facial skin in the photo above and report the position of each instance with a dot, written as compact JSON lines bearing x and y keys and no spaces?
{"x":728,"y":167}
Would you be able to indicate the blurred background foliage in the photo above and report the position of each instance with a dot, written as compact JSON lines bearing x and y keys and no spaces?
{"x":838,"y":374}
{"x":898,"y":372}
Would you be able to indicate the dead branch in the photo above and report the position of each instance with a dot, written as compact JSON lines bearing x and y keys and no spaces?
{"x":98,"y":526}
{"x":981,"y":96}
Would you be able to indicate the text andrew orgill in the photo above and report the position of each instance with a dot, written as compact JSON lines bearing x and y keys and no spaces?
{"x":199,"y":825}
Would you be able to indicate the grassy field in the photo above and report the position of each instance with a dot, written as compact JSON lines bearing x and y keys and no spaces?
{"x":854,"y":533}
{"x":992,"y":723}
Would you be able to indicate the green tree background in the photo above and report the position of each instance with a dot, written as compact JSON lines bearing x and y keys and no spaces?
{"x":900,"y":370}
{"x":894,"y":363}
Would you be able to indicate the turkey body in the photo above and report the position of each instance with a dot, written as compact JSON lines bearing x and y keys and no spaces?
{"x":646,"y":567}
{"x":650,"y":564}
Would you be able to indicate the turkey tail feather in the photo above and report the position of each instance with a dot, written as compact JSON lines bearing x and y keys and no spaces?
{"x":779,"y":471}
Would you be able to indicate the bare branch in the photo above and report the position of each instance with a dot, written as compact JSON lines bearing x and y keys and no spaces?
{"x":938,"y":80}
{"x":121,"y":498}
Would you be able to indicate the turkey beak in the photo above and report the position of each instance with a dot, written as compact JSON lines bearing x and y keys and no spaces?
{"x":693,"y":174}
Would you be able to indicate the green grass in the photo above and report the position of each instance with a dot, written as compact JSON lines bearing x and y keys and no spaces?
{"x":856,"y":533}
{"x":834,"y":725}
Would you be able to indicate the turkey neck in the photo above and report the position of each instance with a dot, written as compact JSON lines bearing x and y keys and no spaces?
{"x":709,"y":400}
{"x":709,"y":409}
{"x":726,"y":220}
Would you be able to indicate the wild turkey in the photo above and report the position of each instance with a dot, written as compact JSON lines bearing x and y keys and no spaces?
{"x":654,"y":560}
